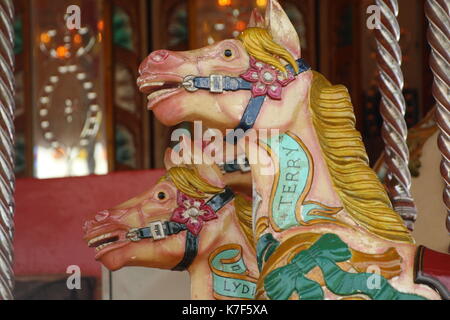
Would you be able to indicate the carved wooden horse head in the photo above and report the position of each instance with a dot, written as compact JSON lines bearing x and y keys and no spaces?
{"x":169,"y":78}
{"x":188,"y":221}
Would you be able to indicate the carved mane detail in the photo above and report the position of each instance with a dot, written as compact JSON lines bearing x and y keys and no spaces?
{"x":362,"y":194}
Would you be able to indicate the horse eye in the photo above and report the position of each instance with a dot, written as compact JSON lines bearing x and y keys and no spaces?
{"x":228,"y":53}
{"x":161,"y":196}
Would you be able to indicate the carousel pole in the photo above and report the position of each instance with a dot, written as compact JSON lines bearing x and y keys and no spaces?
{"x":393,"y":109}
{"x":438,"y":13}
{"x":6,"y":148}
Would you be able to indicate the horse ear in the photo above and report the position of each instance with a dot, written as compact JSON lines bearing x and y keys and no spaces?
{"x":192,"y":158}
{"x":211,"y":174}
{"x":207,"y":168}
{"x":168,"y":163}
{"x":180,"y":155}
{"x":281,"y":28}
{"x":256,"y":20}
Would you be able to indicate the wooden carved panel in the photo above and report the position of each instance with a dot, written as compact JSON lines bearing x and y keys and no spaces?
{"x":23,"y":119}
{"x":131,"y":120}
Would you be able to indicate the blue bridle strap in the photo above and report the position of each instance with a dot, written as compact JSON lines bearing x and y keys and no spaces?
{"x":303,"y":66}
{"x":220,"y":84}
{"x":226,"y":83}
{"x":254,"y":106}
{"x":248,"y":119}
{"x":160,"y":230}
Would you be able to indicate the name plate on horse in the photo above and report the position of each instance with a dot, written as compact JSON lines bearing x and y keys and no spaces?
{"x":292,"y":184}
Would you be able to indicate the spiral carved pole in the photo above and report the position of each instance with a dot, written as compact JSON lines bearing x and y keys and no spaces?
{"x":393,"y":109}
{"x":438,"y":13}
{"x":7,"y":107}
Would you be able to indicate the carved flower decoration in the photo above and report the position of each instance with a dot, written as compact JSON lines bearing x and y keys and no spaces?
{"x":193,"y":213}
{"x":266,"y":79}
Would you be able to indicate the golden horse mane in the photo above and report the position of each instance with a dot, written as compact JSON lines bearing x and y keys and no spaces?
{"x":190,"y":183}
{"x":362,"y":194}
{"x":259,"y":44}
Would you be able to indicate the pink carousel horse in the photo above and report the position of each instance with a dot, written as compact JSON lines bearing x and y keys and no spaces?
{"x":188,"y":221}
{"x":321,"y":207}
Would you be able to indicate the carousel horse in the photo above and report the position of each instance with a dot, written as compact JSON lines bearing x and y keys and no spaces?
{"x":321,"y":202}
{"x":190,"y":220}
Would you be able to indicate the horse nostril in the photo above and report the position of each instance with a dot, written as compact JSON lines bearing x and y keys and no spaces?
{"x":102,"y":215}
{"x":87,"y":225}
{"x":159,"y":56}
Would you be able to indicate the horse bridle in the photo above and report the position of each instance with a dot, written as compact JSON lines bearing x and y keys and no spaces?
{"x":220,"y":84}
{"x":160,"y":230}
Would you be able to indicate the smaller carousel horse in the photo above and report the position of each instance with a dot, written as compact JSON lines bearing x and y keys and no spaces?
{"x":190,"y":220}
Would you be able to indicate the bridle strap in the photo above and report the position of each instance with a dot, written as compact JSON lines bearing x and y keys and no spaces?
{"x":303,"y":66}
{"x":169,"y":228}
{"x":190,"y":252}
{"x":158,"y":230}
{"x":219,"y":84}
{"x":221,"y":200}
{"x":248,"y":119}
{"x":241,"y":164}
{"x":254,"y":107}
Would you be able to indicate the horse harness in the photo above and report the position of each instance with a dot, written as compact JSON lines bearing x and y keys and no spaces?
{"x":220,"y":84}
{"x":160,"y":230}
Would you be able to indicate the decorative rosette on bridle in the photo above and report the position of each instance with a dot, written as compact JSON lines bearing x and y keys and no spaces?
{"x":266,"y":79}
{"x":190,"y":215}
{"x":193,"y":213}
{"x":262,"y":79}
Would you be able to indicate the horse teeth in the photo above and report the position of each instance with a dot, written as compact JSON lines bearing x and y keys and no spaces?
{"x":152,"y":84}
{"x":103,"y":236}
{"x":103,"y":246}
{"x":160,"y":92}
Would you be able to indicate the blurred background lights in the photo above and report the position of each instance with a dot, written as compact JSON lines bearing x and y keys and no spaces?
{"x":261,"y":3}
{"x":224,"y":3}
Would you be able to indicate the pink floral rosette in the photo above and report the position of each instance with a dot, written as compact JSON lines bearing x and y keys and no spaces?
{"x":193,"y":213}
{"x":266,"y":79}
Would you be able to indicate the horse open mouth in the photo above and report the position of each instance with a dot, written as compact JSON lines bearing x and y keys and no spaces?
{"x":103,"y":241}
{"x":155,"y":89}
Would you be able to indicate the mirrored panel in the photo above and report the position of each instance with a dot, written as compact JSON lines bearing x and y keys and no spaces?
{"x":68,"y":101}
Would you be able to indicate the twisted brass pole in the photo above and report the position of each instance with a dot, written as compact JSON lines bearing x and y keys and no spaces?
{"x":437,"y":12}
{"x":7,"y":107}
{"x":393,"y":109}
